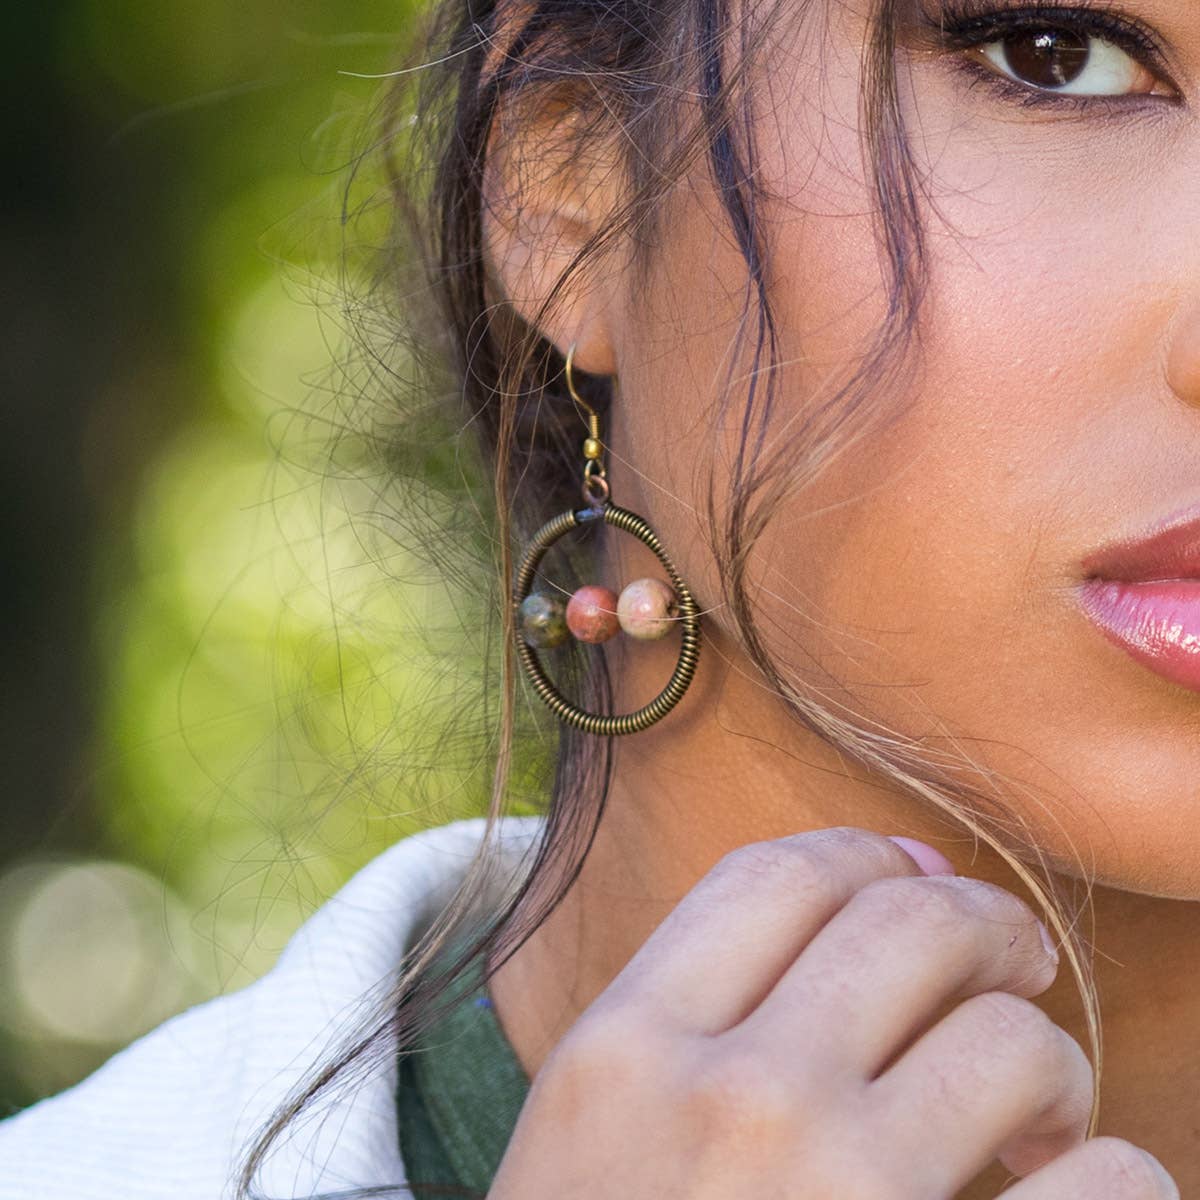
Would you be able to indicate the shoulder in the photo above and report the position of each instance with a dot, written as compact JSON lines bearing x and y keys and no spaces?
{"x":171,"y":1114}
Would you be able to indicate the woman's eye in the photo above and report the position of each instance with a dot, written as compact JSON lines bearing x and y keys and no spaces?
{"x":1069,"y":61}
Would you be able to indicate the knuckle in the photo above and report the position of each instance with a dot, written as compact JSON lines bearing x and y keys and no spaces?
{"x":897,"y":899}
{"x":600,"y":1046}
{"x":774,"y":870}
{"x":999,"y":904}
{"x":957,"y":911}
{"x":1074,"y":1077}
{"x":997,"y":1039}
{"x":841,"y":838}
{"x":1012,"y":1021}
{"x":742,"y":1096}
{"x":771,"y":858}
{"x":1076,"y":1062}
{"x":810,"y":853}
{"x":1128,"y":1172}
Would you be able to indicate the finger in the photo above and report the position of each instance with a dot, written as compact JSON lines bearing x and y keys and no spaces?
{"x":720,"y":950}
{"x":878,"y":971}
{"x":995,"y":1078}
{"x":1102,"y":1168}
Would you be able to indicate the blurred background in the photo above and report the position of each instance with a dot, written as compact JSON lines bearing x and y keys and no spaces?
{"x":198,"y":699}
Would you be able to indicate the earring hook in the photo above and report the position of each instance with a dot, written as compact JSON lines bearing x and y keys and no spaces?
{"x":571,"y":387}
{"x":595,"y":486}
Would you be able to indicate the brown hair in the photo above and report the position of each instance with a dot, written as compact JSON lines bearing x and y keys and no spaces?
{"x":668,"y":77}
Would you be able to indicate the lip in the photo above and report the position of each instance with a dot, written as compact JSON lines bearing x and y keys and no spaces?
{"x":1144,"y":594}
{"x":1169,"y":550}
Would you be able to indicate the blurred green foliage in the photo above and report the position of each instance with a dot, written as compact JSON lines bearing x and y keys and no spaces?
{"x":257,"y":732}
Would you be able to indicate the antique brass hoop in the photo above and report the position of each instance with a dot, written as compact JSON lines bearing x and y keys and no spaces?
{"x":689,"y":622}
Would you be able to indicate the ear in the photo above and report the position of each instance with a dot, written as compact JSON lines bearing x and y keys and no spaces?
{"x":542,"y":199}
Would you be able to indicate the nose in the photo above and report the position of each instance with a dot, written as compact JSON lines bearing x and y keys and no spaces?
{"x":1183,"y":355}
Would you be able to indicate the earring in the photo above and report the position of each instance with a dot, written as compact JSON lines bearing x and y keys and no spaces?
{"x":646,"y":610}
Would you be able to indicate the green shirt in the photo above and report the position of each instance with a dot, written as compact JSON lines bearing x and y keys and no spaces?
{"x":458,"y":1095}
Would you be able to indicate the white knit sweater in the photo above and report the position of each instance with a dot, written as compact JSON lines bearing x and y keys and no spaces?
{"x":169,"y":1117}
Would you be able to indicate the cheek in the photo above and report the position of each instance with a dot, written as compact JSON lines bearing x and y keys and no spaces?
{"x":929,"y":573}
{"x":924,"y":579}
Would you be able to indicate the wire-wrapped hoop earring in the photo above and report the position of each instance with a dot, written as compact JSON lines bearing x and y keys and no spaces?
{"x":547,"y":625}
{"x":688,"y":620}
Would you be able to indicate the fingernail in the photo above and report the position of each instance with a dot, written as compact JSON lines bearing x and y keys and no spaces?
{"x":931,"y":861}
{"x":1048,"y":942}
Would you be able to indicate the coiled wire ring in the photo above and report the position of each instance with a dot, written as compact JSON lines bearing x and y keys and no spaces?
{"x":689,"y":622}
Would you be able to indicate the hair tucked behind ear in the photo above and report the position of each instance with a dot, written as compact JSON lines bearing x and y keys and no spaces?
{"x":667,"y":81}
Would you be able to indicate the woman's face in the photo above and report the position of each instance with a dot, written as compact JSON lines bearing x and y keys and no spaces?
{"x":935,"y":567}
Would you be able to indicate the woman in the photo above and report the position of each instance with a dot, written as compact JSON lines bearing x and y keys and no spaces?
{"x":889,"y":322}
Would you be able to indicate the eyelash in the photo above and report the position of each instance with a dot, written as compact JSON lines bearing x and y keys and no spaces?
{"x":968,"y":24}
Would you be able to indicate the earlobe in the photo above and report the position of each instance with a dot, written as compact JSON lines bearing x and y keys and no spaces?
{"x":542,"y":201}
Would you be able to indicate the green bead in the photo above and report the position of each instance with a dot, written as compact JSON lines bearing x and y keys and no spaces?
{"x":544,"y":621}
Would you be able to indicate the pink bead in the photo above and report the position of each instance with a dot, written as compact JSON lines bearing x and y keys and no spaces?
{"x":645,"y":609}
{"x":592,"y":614}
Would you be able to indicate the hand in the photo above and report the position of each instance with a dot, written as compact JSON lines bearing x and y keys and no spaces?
{"x":789,"y":1032}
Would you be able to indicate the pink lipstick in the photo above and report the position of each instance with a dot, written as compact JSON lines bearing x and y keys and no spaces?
{"x":1144,"y":594}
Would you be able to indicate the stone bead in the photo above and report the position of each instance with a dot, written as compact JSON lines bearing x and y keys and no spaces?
{"x":543,"y":621}
{"x":592,"y":614}
{"x":646,"y":609}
